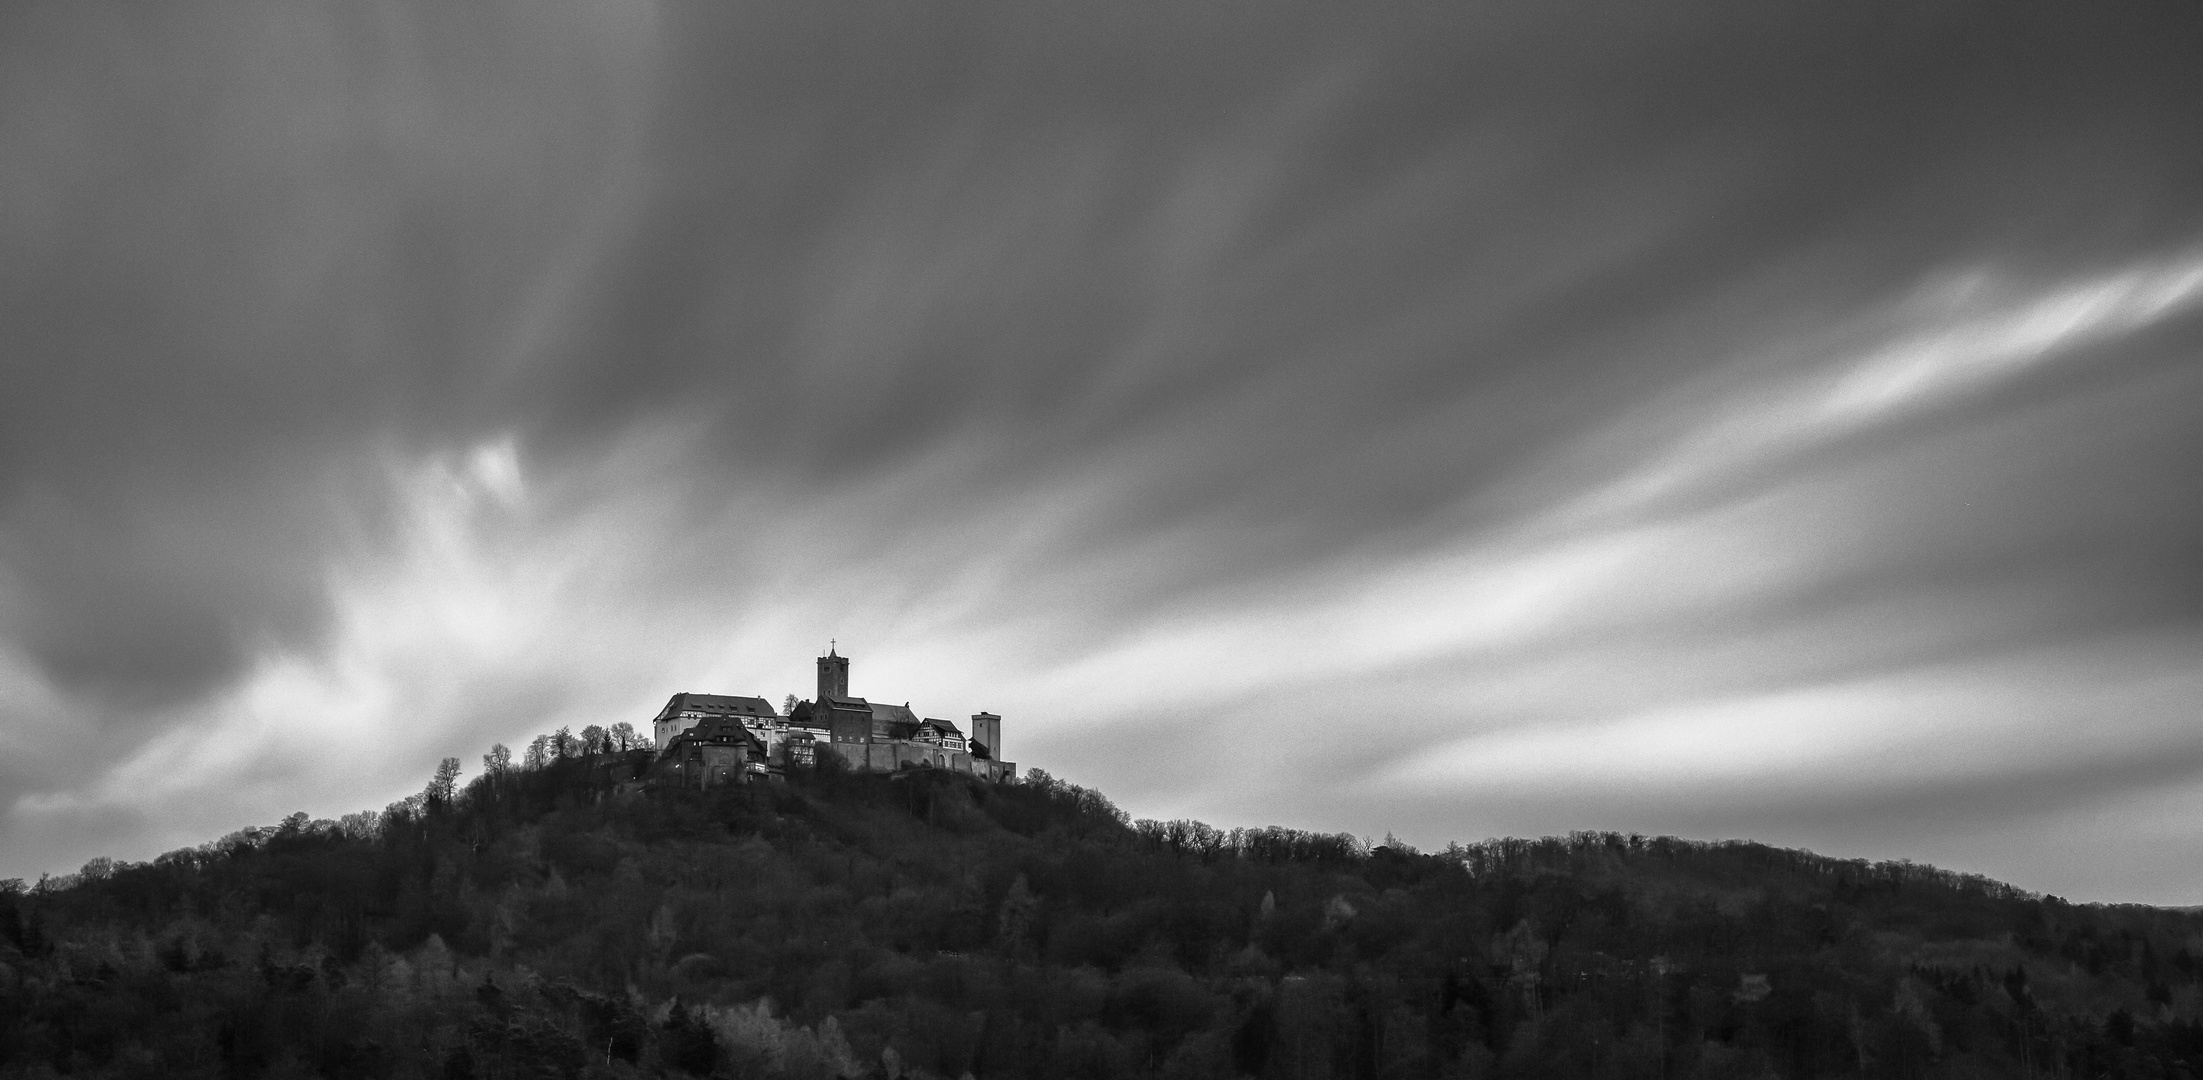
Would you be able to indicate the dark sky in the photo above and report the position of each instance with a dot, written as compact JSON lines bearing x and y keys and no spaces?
{"x":1769,"y":420}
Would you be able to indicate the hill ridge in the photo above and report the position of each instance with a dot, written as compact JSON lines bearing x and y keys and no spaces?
{"x":533,"y":922}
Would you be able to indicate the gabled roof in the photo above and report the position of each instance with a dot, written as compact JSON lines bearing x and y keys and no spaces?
{"x":946,"y":727}
{"x":893,"y":714}
{"x":717,"y":705}
{"x":717,"y":731}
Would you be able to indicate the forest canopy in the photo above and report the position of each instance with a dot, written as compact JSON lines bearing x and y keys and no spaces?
{"x":540,"y":921}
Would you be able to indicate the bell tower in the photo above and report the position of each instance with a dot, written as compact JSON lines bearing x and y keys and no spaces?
{"x":833,"y":675}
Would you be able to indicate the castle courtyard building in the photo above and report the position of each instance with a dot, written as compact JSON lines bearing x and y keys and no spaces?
{"x":685,"y":711}
{"x":711,"y":753}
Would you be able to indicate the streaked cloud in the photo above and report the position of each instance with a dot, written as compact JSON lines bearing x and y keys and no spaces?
{"x":1962,"y":336}
{"x":1469,"y":421}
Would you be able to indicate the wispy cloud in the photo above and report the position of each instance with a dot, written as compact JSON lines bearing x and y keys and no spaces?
{"x":1468,"y":421}
{"x":1963,"y":335}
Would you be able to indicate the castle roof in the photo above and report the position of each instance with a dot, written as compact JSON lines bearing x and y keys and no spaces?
{"x":809,"y":715}
{"x":717,"y":731}
{"x":893,"y":714}
{"x":945,"y":726}
{"x":717,"y":705}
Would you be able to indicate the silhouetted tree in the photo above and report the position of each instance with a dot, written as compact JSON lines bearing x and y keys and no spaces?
{"x":443,"y":785}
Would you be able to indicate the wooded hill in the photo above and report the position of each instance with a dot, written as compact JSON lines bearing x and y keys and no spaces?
{"x":924,"y":924}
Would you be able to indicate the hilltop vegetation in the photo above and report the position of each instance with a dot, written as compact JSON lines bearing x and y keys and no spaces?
{"x":926,"y":925}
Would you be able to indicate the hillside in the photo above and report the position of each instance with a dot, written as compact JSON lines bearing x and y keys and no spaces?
{"x":930,"y":925}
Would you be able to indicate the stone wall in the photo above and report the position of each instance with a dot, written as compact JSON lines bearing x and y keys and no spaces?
{"x":890,"y":756}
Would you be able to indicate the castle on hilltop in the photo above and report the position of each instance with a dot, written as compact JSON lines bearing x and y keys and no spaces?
{"x":710,"y":739}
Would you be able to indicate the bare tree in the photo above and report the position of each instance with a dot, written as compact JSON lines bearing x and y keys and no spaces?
{"x":444,"y":784}
{"x":497,"y":760}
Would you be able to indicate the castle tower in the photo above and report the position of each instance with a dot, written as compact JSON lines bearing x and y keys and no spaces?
{"x":986,"y":728}
{"x":833,"y":675}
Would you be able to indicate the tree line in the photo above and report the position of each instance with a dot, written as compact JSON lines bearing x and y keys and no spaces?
{"x":532,"y":921}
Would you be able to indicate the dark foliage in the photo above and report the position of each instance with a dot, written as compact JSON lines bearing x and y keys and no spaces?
{"x":536,"y":924}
